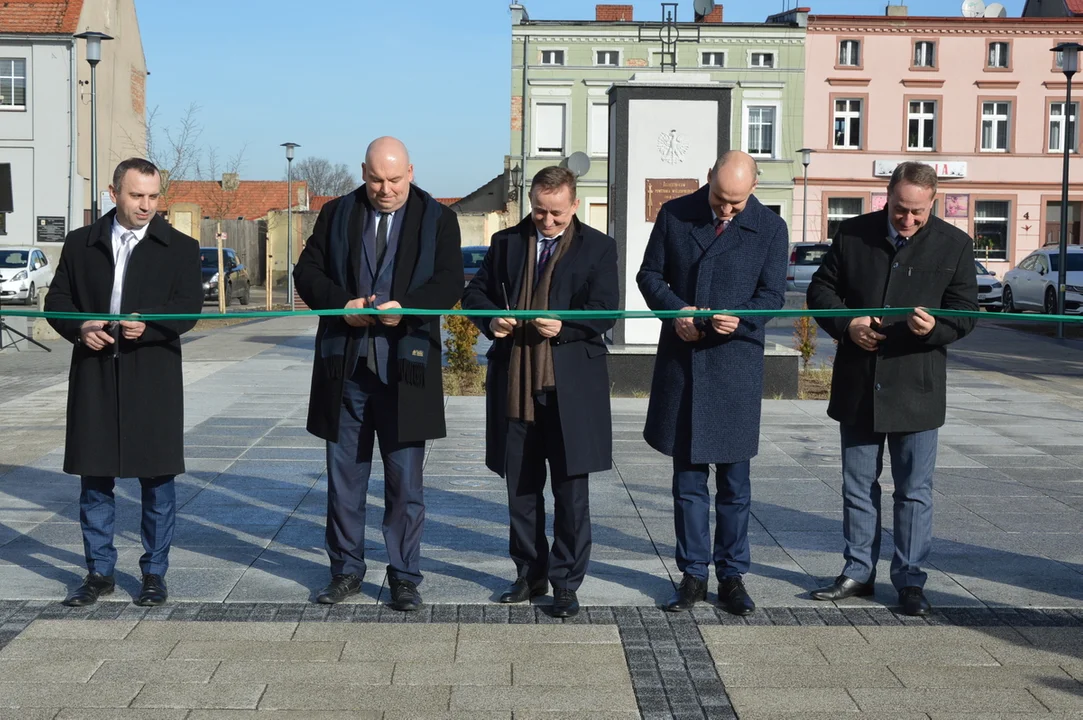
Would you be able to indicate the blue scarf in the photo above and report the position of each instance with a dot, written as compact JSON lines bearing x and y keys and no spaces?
{"x":412,"y":349}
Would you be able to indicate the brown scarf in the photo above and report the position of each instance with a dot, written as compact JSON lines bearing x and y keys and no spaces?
{"x":531,"y":369}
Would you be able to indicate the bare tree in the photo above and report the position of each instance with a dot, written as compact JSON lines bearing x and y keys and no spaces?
{"x":323,"y":178}
{"x":176,"y":151}
{"x":219,"y":198}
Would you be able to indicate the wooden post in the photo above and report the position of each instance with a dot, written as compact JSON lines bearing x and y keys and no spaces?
{"x":221,"y":272}
{"x":269,"y":274}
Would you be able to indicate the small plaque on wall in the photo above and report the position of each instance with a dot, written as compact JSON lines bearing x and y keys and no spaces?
{"x":51,"y":229}
{"x":662,"y":190}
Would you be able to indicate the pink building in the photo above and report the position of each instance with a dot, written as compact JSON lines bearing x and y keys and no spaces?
{"x":982,"y":99}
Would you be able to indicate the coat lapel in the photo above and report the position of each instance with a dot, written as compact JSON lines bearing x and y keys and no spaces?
{"x":516,"y":257}
{"x":409,"y":243}
{"x":356,"y":234}
{"x":567,"y":261}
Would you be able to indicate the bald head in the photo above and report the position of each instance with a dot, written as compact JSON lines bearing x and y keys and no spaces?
{"x":732,"y":181}
{"x":387,"y":173}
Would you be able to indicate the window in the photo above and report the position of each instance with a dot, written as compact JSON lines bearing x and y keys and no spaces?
{"x":921,"y":125}
{"x":991,"y":229}
{"x":842,"y":208}
{"x":761,"y":131}
{"x":776,"y":208}
{"x":998,"y":55}
{"x":848,"y":123}
{"x":925,"y":54}
{"x":850,"y":53}
{"x":599,"y":129}
{"x":1052,"y":222}
{"x":549,"y":129}
{"x":761,"y":60}
{"x":552,"y":57}
{"x":713,"y":59}
{"x":994,"y":126}
{"x":610,"y":58}
{"x":1057,"y":128}
{"x":12,"y":84}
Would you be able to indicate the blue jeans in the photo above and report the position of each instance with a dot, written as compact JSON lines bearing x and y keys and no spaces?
{"x":97,"y":516}
{"x":913,"y":460}
{"x":692,"y":518}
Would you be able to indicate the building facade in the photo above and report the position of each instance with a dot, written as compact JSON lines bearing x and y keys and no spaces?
{"x":981,"y":99}
{"x":562,"y":72}
{"x":45,"y":111}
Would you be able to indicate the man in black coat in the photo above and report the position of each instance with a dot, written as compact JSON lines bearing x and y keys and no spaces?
{"x":386,"y":245}
{"x":126,"y":392}
{"x":547,"y":386}
{"x":890,"y":379}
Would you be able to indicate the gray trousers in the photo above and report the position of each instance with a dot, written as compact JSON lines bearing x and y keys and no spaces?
{"x":913,"y":460}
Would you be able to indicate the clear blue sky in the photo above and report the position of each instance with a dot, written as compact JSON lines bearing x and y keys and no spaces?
{"x":334,"y":74}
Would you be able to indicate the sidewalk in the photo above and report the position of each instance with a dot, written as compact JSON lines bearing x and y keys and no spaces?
{"x":1006,"y":573}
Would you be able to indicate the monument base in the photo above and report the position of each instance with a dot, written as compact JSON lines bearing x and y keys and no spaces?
{"x":632,"y":366}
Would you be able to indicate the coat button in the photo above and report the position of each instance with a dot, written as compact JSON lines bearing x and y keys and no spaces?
{"x":895,"y":266}
{"x":878,"y":386}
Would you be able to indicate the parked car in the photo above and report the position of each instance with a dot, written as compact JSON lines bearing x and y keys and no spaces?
{"x":989,"y":288}
{"x":805,"y":259}
{"x":23,"y":271}
{"x":473,"y":256}
{"x":238,"y":284}
{"x":1032,"y":284}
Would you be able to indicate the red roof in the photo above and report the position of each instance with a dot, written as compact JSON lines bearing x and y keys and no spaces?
{"x":316,"y":202}
{"x":252,"y":199}
{"x":40,"y":17}
{"x":448,"y":201}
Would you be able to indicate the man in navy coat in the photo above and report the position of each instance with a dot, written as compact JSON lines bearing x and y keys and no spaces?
{"x":717,"y":248}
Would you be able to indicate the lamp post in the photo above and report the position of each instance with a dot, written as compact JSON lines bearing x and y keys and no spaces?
{"x":1069,"y":65}
{"x":514,"y":176}
{"x":93,"y":57}
{"x":806,"y":158}
{"x":289,"y":220}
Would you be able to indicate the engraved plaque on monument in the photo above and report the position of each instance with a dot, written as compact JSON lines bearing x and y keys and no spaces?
{"x":662,"y":190}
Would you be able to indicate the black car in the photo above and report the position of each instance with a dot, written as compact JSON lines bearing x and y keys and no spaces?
{"x":238,"y":284}
{"x":473,"y":256}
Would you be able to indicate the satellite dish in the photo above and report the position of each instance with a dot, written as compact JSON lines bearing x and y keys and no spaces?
{"x":703,"y":8}
{"x":578,"y":163}
{"x":973,"y":8}
{"x":995,"y":10}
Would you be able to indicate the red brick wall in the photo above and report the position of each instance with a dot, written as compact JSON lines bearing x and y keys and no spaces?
{"x":715,"y":16}
{"x":613,"y":13}
{"x":517,"y":112}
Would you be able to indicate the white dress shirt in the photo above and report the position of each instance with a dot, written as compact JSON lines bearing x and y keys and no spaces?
{"x":124,"y":242}
{"x":540,"y":246}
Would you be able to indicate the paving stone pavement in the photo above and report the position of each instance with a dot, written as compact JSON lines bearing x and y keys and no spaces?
{"x":1005,"y":572}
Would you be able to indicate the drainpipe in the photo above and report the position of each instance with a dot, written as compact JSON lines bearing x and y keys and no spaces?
{"x":526,"y":115}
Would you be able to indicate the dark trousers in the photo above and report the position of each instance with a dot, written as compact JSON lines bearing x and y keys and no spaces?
{"x":97,"y":516}
{"x":529,"y":446}
{"x":913,"y":460}
{"x":692,"y":518}
{"x":370,"y":411}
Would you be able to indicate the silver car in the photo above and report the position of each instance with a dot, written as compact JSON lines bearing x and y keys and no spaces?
{"x":989,"y":288}
{"x":805,"y":259}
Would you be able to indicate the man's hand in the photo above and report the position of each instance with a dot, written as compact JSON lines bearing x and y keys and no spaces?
{"x":502,"y":327}
{"x":724,"y":324}
{"x":686,"y":327}
{"x":132,"y":329}
{"x":547,"y":327}
{"x":360,"y":320}
{"x":920,"y":322}
{"x":389,"y":320}
{"x":95,"y":336}
{"x":863,"y":335}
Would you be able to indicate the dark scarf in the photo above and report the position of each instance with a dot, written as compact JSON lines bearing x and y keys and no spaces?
{"x":413,"y":348}
{"x":531,"y":369}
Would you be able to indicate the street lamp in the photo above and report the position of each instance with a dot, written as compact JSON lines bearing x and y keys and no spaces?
{"x":806,"y":158}
{"x":514,"y":176}
{"x":289,"y":220}
{"x":1070,"y":64}
{"x":93,"y":56}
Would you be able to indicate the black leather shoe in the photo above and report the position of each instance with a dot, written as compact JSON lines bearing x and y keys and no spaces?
{"x":153,"y":592}
{"x":843,"y":587}
{"x":94,"y":586}
{"x":913,"y":602}
{"x":522,"y":590}
{"x":689,"y":592}
{"x":404,"y":596}
{"x":341,"y":587}
{"x":565,"y":603}
{"x":734,"y":598}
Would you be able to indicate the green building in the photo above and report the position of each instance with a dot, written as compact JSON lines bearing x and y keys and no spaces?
{"x":562,"y":71}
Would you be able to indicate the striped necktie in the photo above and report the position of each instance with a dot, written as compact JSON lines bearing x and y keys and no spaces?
{"x":720,"y":226}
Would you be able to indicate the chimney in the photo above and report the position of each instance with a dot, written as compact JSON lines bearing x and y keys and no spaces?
{"x":613,"y":13}
{"x":896,"y":11}
{"x":230,"y":181}
{"x":518,"y":14}
{"x":715,"y":16}
{"x":797,"y":17}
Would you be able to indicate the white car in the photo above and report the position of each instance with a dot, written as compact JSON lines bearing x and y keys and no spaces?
{"x":989,"y":288}
{"x":23,"y":271}
{"x":1032,"y":284}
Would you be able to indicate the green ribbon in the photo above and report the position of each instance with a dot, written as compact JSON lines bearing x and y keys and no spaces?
{"x":570,"y":315}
